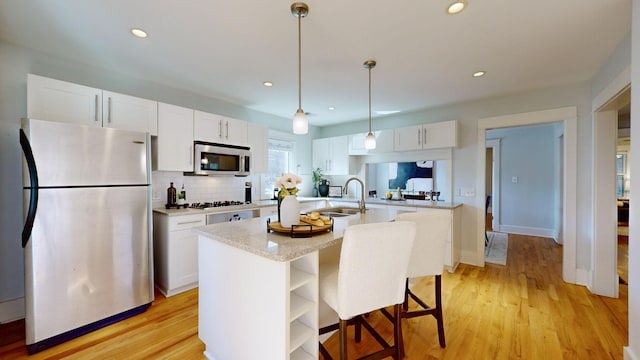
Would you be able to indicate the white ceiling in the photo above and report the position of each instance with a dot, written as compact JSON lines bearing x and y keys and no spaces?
{"x":226,"y":49}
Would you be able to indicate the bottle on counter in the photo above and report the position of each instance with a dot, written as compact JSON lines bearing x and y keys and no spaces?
{"x":171,"y":195}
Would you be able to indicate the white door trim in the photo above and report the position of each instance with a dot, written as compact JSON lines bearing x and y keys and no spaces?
{"x":495,"y":187}
{"x":568,"y":116}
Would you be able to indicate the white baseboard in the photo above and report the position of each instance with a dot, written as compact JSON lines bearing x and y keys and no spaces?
{"x":11,"y":310}
{"x":531,"y":231}
{"x":629,"y":354}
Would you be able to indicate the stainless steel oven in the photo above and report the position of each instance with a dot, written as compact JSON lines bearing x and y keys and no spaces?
{"x":221,"y":159}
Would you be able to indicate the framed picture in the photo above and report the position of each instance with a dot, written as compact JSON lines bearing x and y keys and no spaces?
{"x":335,"y":191}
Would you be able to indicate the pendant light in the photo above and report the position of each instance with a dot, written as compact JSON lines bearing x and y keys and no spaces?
{"x":300,"y":123}
{"x":370,"y":141}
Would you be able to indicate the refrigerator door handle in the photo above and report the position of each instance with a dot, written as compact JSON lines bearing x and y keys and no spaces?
{"x":33,"y":176}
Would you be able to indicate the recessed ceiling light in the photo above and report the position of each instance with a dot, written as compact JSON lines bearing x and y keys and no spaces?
{"x":267,"y":83}
{"x":456,"y":7}
{"x":332,"y":108}
{"x":479,"y":73}
{"x":139,"y":33}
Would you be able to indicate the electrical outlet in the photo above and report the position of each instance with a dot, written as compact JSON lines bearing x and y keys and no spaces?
{"x":514,"y":179}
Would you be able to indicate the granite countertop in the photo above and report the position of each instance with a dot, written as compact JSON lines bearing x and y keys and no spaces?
{"x":251,"y":235}
{"x":267,"y":203}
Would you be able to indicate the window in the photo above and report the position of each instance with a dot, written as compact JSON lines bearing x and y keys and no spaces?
{"x":621,"y":169}
{"x":281,"y":160}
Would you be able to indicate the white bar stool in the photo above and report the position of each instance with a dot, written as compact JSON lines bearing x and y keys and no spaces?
{"x":427,"y":259}
{"x":371,"y":275}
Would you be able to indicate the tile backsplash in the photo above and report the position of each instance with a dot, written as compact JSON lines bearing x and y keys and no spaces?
{"x":201,"y":188}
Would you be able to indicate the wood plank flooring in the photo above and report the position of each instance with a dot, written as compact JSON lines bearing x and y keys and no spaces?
{"x":520,"y":311}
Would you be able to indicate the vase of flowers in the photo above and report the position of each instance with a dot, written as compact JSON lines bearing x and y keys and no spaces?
{"x":288,"y":205}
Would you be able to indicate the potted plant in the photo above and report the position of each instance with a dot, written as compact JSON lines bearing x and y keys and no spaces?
{"x":316,"y":177}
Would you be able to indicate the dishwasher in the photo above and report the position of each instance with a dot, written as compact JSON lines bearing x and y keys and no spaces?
{"x":232,"y":216}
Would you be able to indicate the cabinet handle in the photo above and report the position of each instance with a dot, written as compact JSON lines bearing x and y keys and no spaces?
{"x":109,"y":110}
{"x":189,"y":222}
{"x":419,"y":138}
{"x":96,"y":112}
{"x":425,"y":136}
{"x":220,"y":129}
{"x":227,"y":125}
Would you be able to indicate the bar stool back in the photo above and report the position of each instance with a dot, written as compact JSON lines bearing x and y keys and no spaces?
{"x":371,"y":275}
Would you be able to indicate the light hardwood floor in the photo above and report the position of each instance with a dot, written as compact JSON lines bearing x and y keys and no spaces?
{"x":520,"y":311}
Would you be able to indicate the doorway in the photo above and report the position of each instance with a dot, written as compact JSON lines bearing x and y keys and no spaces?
{"x":604,"y":277}
{"x":568,"y":118}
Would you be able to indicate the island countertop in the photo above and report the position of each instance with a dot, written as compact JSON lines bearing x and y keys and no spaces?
{"x":251,"y":235}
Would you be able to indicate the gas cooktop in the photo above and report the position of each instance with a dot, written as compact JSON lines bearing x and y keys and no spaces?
{"x":213,"y":204}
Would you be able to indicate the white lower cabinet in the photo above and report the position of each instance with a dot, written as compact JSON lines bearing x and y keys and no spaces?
{"x":175,"y":252}
{"x":273,"y":304}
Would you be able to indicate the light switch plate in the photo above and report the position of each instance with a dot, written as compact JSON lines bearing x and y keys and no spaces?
{"x":467,"y":192}
{"x":514,"y":179}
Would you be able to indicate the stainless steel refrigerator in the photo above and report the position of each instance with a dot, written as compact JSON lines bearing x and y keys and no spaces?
{"x":87,"y":235}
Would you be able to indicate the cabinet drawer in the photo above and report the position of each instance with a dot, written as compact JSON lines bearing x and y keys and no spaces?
{"x":185,"y":222}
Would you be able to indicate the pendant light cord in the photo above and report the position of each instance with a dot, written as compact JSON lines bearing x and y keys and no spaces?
{"x":369,"y":99}
{"x":299,"y":61}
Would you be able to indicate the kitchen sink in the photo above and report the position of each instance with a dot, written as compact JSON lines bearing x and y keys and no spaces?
{"x":338,"y":211}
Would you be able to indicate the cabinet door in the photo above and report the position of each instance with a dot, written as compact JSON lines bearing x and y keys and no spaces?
{"x":258,"y":136}
{"x":183,"y":255}
{"x":408,"y":138}
{"x":129,"y":113}
{"x":384,"y":141}
{"x":55,"y":100}
{"x":207,"y":127}
{"x":356,"y":144}
{"x":321,"y":154}
{"x":235,"y":132}
{"x":440,"y":135}
{"x":338,"y":155}
{"x":175,"y":138}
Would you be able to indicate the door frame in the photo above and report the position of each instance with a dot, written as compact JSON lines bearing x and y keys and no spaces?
{"x":568,"y":116}
{"x":603,"y":279}
{"x":495,"y":187}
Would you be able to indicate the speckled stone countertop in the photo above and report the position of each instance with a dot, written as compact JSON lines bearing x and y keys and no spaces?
{"x":251,"y":235}
{"x":266,"y":203}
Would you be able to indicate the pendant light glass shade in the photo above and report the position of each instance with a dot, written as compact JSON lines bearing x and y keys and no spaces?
{"x":370,"y":141}
{"x":300,"y":122}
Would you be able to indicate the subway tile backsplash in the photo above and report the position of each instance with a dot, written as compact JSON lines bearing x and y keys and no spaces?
{"x":200,"y":188}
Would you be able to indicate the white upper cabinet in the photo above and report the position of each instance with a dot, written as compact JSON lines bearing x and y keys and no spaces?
{"x":129,"y":113}
{"x":220,"y":129}
{"x":332,"y":155}
{"x":384,"y":143}
{"x":55,"y":100}
{"x":258,"y":136}
{"x":426,"y":136}
{"x":173,"y":150}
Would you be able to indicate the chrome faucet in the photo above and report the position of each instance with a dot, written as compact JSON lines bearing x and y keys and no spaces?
{"x":361,"y":205}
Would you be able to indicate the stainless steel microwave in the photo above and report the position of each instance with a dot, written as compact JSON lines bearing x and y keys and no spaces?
{"x":221,"y":159}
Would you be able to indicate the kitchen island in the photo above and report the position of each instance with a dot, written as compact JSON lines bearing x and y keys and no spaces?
{"x":258,"y":296}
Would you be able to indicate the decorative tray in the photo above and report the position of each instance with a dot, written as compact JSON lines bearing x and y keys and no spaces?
{"x":300,"y":230}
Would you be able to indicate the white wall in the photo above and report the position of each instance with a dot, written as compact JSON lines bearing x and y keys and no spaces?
{"x":15,"y":63}
{"x":527,"y":154}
